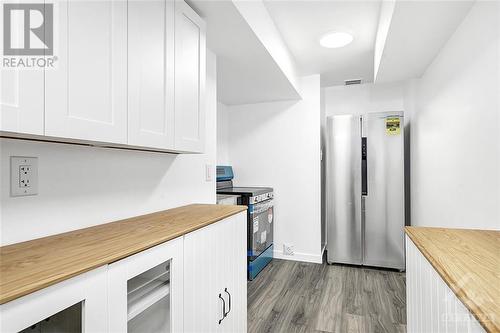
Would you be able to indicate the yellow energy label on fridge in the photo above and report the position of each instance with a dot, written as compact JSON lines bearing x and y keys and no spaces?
{"x":393,"y":125}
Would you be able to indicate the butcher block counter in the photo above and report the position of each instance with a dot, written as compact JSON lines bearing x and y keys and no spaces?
{"x":33,"y":265}
{"x":468,"y":261}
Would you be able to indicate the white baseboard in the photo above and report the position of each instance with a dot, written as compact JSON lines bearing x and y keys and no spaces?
{"x":305,"y":257}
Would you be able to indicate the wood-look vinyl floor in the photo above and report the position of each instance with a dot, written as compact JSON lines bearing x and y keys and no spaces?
{"x":291,"y":296}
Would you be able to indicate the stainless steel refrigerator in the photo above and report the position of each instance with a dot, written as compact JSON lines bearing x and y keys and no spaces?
{"x":365,"y":189}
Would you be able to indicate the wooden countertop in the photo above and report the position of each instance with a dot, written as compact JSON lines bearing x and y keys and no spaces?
{"x":469,"y":263}
{"x":33,"y":265}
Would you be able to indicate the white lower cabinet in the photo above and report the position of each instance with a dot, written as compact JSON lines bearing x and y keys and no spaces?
{"x":215,"y":296}
{"x":431,"y":306}
{"x":234,"y":260}
{"x":146,"y":290}
{"x":194,"y":283}
{"x":75,"y":305}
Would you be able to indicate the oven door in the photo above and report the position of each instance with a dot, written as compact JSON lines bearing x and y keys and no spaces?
{"x":260,"y":228}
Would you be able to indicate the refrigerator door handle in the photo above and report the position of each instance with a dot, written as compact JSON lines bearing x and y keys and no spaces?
{"x":364,"y":167}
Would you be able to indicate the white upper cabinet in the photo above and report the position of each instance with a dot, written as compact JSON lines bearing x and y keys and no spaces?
{"x":21,"y":90}
{"x":21,"y":101}
{"x":190,"y":72}
{"x":127,"y":73}
{"x":151,"y":73}
{"x":86,"y":96}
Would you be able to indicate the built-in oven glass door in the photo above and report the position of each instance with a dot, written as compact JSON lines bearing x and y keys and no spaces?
{"x":260,"y":233}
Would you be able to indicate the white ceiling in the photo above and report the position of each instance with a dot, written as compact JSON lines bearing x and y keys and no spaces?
{"x":418,"y":31}
{"x":302,"y":22}
{"x":246,"y":72}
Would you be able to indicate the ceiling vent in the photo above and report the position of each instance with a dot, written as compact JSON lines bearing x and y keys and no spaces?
{"x":349,"y":82}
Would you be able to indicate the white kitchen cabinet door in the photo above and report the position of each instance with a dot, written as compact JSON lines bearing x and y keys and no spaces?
{"x":21,"y":107}
{"x":214,"y":276}
{"x":190,"y":73}
{"x":86,"y":96}
{"x":431,"y":306}
{"x":146,"y":290}
{"x":236,"y":268}
{"x":21,"y":94}
{"x":41,"y":307}
{"x":203,"y":308}
{"x":151,"y":73}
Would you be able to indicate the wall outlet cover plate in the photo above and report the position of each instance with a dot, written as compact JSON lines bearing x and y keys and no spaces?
{"x":288,"y":250}
{"x":208,"y":172}
{"x":23,"y":176}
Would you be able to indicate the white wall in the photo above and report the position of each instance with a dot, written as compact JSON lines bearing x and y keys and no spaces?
{"x":455,"y":129}
{"x":222,"y":135}
{"x":364,"y":98}
{"x":84,"y":186}
{"x":278,"y":145}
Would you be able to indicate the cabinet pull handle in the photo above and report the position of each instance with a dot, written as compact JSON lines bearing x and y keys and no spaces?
{"x":223,"y":309}
{"x":227,"y":292}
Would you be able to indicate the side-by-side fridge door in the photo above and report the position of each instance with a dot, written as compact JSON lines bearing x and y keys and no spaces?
{"x":343,"y":189}
{"x":383,"y":191}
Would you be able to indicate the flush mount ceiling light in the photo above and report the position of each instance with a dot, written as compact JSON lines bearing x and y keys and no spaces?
{"x":335,"y":39}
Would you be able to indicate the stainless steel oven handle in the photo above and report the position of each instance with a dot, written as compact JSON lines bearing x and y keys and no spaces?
{"x":263,"y":206}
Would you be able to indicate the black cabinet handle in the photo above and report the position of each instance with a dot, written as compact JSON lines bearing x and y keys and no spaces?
{"x":364,"y":166}
{"x":227,"y":292}
{"x":223,"y":309}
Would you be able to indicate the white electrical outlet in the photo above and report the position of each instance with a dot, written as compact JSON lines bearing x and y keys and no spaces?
{"x":23,"y":176}
{"x":288,"y":250}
